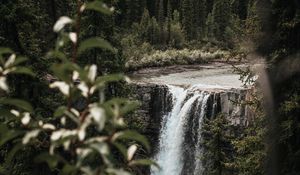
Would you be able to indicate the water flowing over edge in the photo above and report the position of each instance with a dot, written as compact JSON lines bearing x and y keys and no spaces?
{"x":170,"y":155}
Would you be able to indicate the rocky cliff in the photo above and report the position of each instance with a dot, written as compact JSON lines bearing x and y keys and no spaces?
{"x":156,"y":102}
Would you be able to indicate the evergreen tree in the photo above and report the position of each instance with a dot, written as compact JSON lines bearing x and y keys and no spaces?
{"x":221,"y":16}
{"x":145,"y":27}
{"x":177,"y":36}
{"x":187,"y":23}
{"x":217,"y":146}
{"x":155,"y":31}
{"x":161,"y":22}
{"x":169,"y":21}
{"x":250,"y":148}
{"x":199,"y":18}
{"x":240,"y":8}
{"x":209,"y":6}
{"x":210,"y":27}
{"x":133,"y":12}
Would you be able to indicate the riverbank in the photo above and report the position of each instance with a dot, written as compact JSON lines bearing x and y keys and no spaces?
{"x":158,"y":58}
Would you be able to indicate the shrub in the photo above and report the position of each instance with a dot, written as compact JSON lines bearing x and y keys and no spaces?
{"x":91,"y":140}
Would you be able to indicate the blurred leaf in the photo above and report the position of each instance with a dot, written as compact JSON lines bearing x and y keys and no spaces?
{"x":117,"y":171}
{"x":101,"y":148}
{"x":65,"y":71}
{"x":144,"y":162}
{"x":87,"y":170}
{"x":57,"y":54}
{"x":18,"y":103}
{"x":95,"y":42}
{"x":7,"y":114}
{"x":120,"y":106}
{"x":72,"y":117}
{"x":132,"y":135}
{"x":7,"y":134}
{"x":103,"y":80}
{"x":19,"y":60}
{"x":23,"y":70}
{"x":51,"y":160}
{"x":60,"y":111}
{"x":12,"y":153}
{"x":121,"y":148}
{"x":4,"y":50}
{"x":98,"y":6}
{"x":131,"y":152}
{"x":68,"y":169}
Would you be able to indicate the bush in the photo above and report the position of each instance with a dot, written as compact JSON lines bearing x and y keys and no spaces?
{"x":172,"y":56}
{"x":177,"y":36}
{"x":91,"y":139}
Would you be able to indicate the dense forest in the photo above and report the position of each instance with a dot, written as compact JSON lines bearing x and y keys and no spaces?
{"x":50,"y":42}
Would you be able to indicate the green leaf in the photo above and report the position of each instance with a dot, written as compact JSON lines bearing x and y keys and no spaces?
{"x":101,"y":148}
{"x":103,"y":80}
{"x":19,"y":60}
{"x":132,"y":135}
{"x":65,"y":71}
{"x":121,"y":148}
{"x":17,"y":103}
{"x":5,"y":113}
{"x":113,"y":171}
{"x":5,"y":50}
{"x":69,"y":169}
{"x":7,"y":134}
{"x":23,"y":70}
{"x":57,"y":54}
{"x":51,"y":160}
{"x":72,"y":117}
{"x":13,"y":152}
{"x":120,"y":106}
{"x":95,"y":42}
{"x":60,"y":111}
{"x":144,"y":162}
{"x":99,"y":7}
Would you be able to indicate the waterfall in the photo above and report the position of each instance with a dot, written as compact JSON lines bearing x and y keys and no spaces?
{"x":171,"y":156}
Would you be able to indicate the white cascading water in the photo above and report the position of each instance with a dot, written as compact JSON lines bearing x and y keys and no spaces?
{"x":170,"y":156}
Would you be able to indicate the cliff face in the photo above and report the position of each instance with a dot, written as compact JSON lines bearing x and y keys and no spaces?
{"x":156,"y":102}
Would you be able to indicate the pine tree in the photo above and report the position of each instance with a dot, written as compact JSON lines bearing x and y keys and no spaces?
{"x":240,"y":8}
{"x":221,"y":16}
{"x":155,"y":34}
{"x":142,"y":5}
{"x":210,"y":27}
{"x":144,"y":28}
{"x":217,"y":146}
{"x":199,"y":18}
{"x":169,"y":20}
{"x":177,"y":37}
{"x":133,"y":12}
{"x":201,"y":22}
{"x":186,"y":18}
{"x":161,"y":22}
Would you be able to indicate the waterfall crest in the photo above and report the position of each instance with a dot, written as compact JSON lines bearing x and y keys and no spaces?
{"x":180,"y":151}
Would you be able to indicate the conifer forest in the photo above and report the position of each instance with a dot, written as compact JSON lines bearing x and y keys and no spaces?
{"x":149,"y":87}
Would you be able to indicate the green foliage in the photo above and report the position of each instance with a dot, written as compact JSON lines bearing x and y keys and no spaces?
{"x":250,"y":149}
{"x":70,"y":138}
{"x":161,"y":23}
{"x":187,"y":23}
{"x":216,"y":140}
{"x":288,"y":125}
{"x":221,"y":15}
{"x":145,"y":27}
